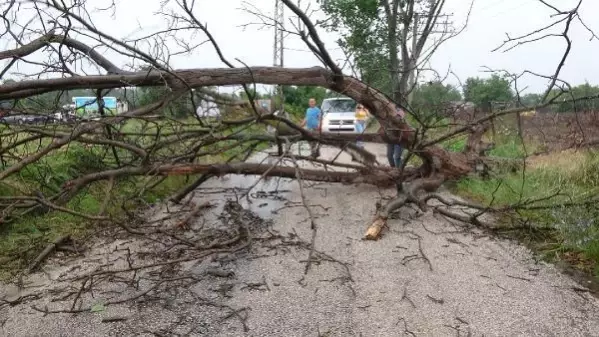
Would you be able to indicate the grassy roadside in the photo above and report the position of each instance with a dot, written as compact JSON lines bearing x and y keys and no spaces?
{"x":22,"y":239}
{"x":566,"y":235}
{"x":556,"y":233}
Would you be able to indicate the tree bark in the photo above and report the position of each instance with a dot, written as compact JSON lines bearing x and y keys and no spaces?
{"x":439,"y":164}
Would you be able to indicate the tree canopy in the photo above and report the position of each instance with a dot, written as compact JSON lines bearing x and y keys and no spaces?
{"x":577,"y":92}
{"x":433,"y":96}
{"x":379,"y":36}
{"x":483,"y":91}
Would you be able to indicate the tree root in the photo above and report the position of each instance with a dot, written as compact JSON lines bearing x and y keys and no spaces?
{"x":409,"y":196}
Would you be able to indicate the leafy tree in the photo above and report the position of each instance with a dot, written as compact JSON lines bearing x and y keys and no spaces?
{"x":378,"y":35}
{"x":253,"y":92}
{"x":181,"y":107}
{"x":296,"y":98}
{"x":434,"y":96}
{"x":531,"y":99}
{"x":483,"y":91}
{"x":583,"y":90}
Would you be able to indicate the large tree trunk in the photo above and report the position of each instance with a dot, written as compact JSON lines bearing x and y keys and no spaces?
{"x":439,"y":164}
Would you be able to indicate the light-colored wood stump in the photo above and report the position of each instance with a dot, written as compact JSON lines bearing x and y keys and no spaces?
{"x":374,"y":230}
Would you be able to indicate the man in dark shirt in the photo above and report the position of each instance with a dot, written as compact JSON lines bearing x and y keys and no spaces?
{"x":394,"y":151}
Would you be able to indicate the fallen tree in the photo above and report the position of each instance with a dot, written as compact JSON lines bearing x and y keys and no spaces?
{"x":177,"y":152}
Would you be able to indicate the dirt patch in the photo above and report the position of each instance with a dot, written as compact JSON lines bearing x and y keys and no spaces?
{"x":547,"y":130}
{"x":560,"y":131}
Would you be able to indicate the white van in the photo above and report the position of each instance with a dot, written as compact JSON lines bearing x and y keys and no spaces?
{"x":339,"y":114}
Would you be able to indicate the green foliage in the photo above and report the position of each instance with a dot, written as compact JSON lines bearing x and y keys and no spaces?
{"x":296,"y":98}
{"x":432,"y":97}
{"x":483,"y":91}
{"x":22,"y":239}
{"x":364,"y":35}
{"x":568,"y":229}
{"x":455,"y":144}
{"x":509,"y":147}
{"x":253,"y":93}
{"x":531,"y":99}
{"x":299,"y":96}
{"x":586,"y":172}
{"x":373,"y":38}
{"x":507,"y":189}
{"x":583,"y":90}
{"x":179,"y":108}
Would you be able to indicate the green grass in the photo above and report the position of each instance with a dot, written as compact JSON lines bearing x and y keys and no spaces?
{"x":455,"y":144}
{"x":511,"y":147}
{"x":22,"y":239}
{"x":556,"y":232}
{"x":572,"y":230}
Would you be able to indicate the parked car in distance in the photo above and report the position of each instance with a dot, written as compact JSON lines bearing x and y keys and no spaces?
{"x":21,"y":119}
{"x":339,"y":114}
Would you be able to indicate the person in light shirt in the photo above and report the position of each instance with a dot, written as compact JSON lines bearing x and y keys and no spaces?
{"x":312,"y":123}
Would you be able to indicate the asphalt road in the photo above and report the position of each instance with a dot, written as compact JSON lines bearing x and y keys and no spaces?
{"x":425,"y":277}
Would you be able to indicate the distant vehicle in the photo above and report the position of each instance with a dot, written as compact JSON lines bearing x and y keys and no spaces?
{"x":208,"y":109}
{"x":21,"y":119}
{"x":339,"y":115}
{"x":87,"y":107}
{"x":65,"y":115}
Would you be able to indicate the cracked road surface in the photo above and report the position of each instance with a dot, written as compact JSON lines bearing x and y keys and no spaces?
{"x":425,"y":277}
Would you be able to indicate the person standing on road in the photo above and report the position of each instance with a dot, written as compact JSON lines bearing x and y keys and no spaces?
{"x":312,"y":123}
{"x":394,"y":151}
{"x":360,"y":122}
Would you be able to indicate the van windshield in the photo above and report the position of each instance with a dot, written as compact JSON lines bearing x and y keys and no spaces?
{"x":338,"y":105}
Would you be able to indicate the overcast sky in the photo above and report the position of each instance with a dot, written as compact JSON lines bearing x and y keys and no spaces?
{"x":466,"y":54}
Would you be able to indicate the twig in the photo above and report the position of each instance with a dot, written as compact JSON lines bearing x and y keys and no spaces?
{"x":310,"y":214}
{"x":404,"y":296}
{"x":430,"y":265}
{"x":405,"y":326}
{"x":46,"y":252}
{"x":194,"y":212}
{"x":436,"y":300}
{"x":519,"y":278}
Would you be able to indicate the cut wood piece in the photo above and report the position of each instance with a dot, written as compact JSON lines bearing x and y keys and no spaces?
{"x":374,"y":230}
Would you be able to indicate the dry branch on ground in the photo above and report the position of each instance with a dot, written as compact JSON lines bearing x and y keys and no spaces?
{"x":154,"y":151}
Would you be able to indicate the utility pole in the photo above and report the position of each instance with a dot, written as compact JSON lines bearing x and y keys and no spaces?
{"x":278,"y":50}
{"x":412,"y":80}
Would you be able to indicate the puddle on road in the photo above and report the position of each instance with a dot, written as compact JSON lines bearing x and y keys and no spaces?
{"x":270,"y":193}
{"x":266,"y":195}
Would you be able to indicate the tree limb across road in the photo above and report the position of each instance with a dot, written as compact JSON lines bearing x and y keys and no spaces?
{"x":130,"y":145}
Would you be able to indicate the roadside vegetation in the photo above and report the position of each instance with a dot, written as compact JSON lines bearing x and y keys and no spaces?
{"x":556,"y":192}
{"x":22,"y":239}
